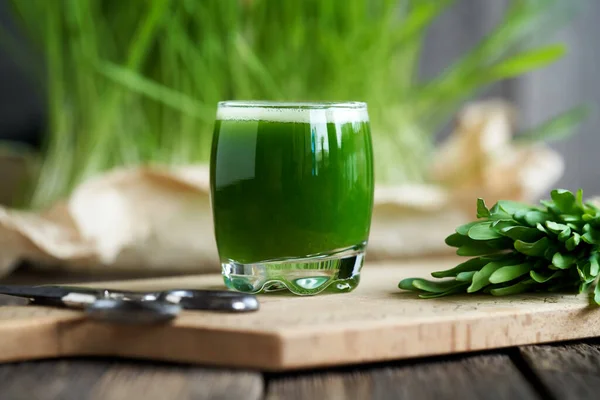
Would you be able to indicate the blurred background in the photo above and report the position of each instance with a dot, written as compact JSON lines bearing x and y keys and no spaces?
{"x":89,"y":86}
{"x":95,"y":84}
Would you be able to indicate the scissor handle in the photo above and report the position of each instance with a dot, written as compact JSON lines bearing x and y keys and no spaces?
{"x":132,"y":312}
{"x":213,"y":300}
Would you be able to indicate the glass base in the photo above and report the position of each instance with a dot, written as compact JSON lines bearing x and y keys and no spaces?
{"x":333,"y":272}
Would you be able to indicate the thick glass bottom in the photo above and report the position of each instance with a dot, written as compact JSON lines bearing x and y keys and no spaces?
{"x":333,"y":272}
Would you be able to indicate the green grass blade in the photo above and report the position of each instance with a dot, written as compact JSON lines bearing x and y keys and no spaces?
{"x":157,"y":92}
{"x":525,"y":62}
{"x":559,"y":127}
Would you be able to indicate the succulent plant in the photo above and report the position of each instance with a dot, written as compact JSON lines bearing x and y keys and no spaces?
{"x":519,"y":248}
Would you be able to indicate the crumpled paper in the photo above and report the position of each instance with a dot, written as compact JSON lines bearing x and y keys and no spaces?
{"x":478,"y":159}
{"x":143,"y":219}
{"x":152,"y":219}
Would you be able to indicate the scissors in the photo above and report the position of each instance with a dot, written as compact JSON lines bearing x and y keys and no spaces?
{"x":131,"y":306}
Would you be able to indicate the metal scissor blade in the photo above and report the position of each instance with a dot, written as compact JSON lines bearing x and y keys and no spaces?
{"x":52,"y":295}
{"x":35,"y":292}
{"x":213,"y":300}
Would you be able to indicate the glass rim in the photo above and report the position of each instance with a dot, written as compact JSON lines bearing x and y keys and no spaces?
{"x":305,"y":105}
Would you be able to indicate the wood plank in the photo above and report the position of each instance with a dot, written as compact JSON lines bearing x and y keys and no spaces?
{"x":324,"y":385}
{"x":375,"y":323}
{"x":30,"y":275}
{"x":477,"y":377}
{"x":567,"y":371}
{"x":469,"y":378}
{"x":102,"y":379}
{"x":12,"y":301}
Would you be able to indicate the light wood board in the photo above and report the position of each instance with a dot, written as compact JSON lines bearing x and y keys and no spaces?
{"x":376,"y":322}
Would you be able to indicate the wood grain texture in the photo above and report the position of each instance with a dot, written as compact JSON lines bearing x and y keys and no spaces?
{"x":568,"y":372}
{"x":478,"y":377}
{"x":101,"y":379}
{"x":327,"y":385}
{"x":470,"y":378}
{"x":377,"y":322}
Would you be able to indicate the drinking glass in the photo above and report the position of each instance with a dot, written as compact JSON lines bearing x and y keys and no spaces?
{"x":292,"y":194}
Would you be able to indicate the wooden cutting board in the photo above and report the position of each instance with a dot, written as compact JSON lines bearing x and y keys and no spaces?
{"x":376,"y":322}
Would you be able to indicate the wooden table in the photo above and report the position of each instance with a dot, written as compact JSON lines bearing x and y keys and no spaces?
{"x":540,"y":372}
{"x":561,"y":371}
{"x":565,"y":371}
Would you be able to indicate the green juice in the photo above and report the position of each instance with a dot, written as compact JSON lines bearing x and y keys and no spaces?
{"x":292,"y":195}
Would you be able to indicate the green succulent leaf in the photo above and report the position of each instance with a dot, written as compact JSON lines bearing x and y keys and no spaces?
{"x":511,"y":207}
{"x":501,"y":224}
{"x":544,"y":276}
{"x":510,"y":272}
{"x":517,"y":288}
{"x":483,"y":231}
{"x":584,"y":271}
{"x":573,"y":242}
{"x":482,"y":210}
{"x":465,"y":276}
{"x":456,"y":240}
{"x":549,"y":254}
{"x":522,"y":233}
{"x":482,"y":277}
{"x":594,"y":265}
{"x":496,"y":213}
{"x":502,"y":244}
{"x":585,"y":287}
{"x":561,"y":261}
{"x":535,"y":249}
{"x":579,"y":199}
{"x":570,"y":218}
{"x":519,"y":248}
{"x":476,"y":248}
{"x":555,"y":227}
{"x":564,"y":200}
{"x":454,"y":290}
{"x":535,"y":217}
{"x":519,"y":216}
{"x":588,"y":217}
{"x":407,"y":284}
{"x":565,"y":235}
{"x":541,"y":228}
{"x":588,"y":238}
{"x":473,"y":264}
{"x":435,"y":287}
{"x":464,"y":229}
